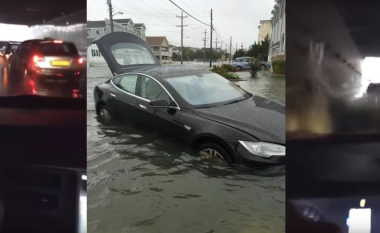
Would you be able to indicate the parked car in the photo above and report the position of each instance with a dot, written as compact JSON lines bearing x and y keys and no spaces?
{"x":9,"y":49}
{"x":47,"y":59}
{"x":243,"y":63}
{"x":197,"y":107}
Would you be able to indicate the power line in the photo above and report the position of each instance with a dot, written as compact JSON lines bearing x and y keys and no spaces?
{"x":189,"y":14}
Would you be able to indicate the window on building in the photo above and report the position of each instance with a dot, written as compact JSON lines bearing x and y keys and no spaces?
{"x":97,"y":32}
{"x":93,"y":52}
{"x":88,"y":32}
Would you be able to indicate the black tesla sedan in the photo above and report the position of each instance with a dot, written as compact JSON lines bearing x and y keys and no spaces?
{"x":197,"y":107}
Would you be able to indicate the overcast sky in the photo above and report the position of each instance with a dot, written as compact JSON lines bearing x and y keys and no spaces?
{"x":159,"y":16}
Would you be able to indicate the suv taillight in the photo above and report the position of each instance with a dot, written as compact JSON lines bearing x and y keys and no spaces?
{"x":37,"y":58}
{"x":80,"y":60}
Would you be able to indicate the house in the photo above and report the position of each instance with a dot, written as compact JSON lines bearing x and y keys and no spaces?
{"x":277,"y":42}
{"x":160,"y":47}
{"x":96,"y":29}
{"x":265,"y":29}
{"x":176,"y":50}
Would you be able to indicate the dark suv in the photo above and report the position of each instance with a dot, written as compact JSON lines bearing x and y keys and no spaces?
{"x":47,"y":58}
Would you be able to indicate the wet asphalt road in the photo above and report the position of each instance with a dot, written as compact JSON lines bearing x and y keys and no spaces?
{"x":139,"y":181}
{"x":19,"y":85}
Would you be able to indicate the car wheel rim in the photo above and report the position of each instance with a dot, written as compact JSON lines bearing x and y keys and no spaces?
{"x":105,"y":114}
{"x":262,"y":68}
{"x":213,"y":153}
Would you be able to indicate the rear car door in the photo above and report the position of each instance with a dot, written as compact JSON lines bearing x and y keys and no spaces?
{"x":123,"y":96}
{"x":161,"y":119}
{"x":245,"y":63}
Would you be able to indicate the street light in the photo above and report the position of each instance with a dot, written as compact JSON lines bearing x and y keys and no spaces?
{"x":117,"y":13}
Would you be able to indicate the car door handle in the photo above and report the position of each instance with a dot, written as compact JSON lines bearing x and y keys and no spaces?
{"x":142,"y":106}
{"x":113,"y":95}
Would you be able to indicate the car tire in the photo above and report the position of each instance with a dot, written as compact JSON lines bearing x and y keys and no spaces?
{"x":263,"y":67}
{"x":104,"y":113}
{"x":214,"y":149}
{"x":239,"y":68}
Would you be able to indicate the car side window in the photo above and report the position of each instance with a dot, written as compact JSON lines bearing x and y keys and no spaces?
{"x":150,"y":89}
{"x":245,"y":59}
{"x":128,"y":83}
{"x":238,"y":60}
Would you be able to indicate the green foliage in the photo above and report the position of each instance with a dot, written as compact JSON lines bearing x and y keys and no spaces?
{"x":260,"y":51}
{"x":239,"y":53}
{"x":176,"y":57}
{"x":223,"y":71}
{"x":229,"y":67}
{"x":255,"y":67}
{"x":279,"y":66}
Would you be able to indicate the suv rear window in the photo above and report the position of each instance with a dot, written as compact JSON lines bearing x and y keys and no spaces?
{"x":54,"y":49}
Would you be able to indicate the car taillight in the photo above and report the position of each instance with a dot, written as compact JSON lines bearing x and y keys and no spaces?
{"x":37,"y":58}
{"x":80,"y":60}
{"x":57,"y":42}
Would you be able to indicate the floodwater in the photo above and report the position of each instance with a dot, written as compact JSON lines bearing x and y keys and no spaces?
{"x":139,"y":181}
{"x":11,"y":84}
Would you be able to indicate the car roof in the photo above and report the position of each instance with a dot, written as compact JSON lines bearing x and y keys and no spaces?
{"x":171,"y":71}
{"x":46,"y":40}
{"x":243,"y":57}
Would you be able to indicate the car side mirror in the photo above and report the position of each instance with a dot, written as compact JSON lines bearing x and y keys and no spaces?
{"x":159,"y":103}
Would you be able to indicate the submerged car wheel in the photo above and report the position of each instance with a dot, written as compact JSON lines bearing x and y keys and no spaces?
{"x":214,"y":150}
{"x":104,"y":113}
{"x":263,"y":67}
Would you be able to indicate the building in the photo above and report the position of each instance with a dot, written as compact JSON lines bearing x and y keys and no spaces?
{"x":265,"y":29}
{"x":160,"y":47}
{"x":96,"y":29}
{"x":278,"y":38}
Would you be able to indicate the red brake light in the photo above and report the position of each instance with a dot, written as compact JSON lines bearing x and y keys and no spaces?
{"x":80,"y":60}
{"x":38,"y":58}
{"x":58,"y":42}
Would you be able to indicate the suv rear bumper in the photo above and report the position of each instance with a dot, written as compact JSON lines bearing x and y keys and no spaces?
{"x":58,"y":73}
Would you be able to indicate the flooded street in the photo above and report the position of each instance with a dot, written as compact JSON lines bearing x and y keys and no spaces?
{"x":11,"y":84}
{"x":139,"y":181}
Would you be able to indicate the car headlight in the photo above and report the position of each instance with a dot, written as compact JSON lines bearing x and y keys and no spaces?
{"x":264,"y":149}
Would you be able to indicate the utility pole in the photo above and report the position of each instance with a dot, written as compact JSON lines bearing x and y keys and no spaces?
{"x":230,"y":48}
{"x":236,"y":47}
{"x":211,"y":42}
{"x":204,"y":52}
{"x":111,"y":20}
{"x":181,"y":33}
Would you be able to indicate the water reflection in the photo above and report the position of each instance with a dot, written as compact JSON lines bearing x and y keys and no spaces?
{"x":18,"y":84}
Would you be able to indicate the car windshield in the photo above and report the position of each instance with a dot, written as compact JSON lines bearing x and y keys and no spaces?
{"x":56,"y":49}
{"x":206,"y":89}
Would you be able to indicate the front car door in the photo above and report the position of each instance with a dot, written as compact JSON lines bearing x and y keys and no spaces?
{"x":161,"y":119}
{"x":123,"y":96}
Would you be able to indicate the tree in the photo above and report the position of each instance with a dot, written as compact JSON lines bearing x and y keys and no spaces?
{"x":239,"y":53}
{"x":260,"y":51}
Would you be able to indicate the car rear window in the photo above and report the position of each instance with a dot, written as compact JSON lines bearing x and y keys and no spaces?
{"x":54,"y":49}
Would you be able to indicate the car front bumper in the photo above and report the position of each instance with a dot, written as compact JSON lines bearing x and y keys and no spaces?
{"x":246,"y":157}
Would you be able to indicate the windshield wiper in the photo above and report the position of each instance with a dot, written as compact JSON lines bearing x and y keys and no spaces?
{"x":235,"y":101}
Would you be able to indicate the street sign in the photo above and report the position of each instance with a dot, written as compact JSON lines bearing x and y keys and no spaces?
{"x":223,"y":56}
